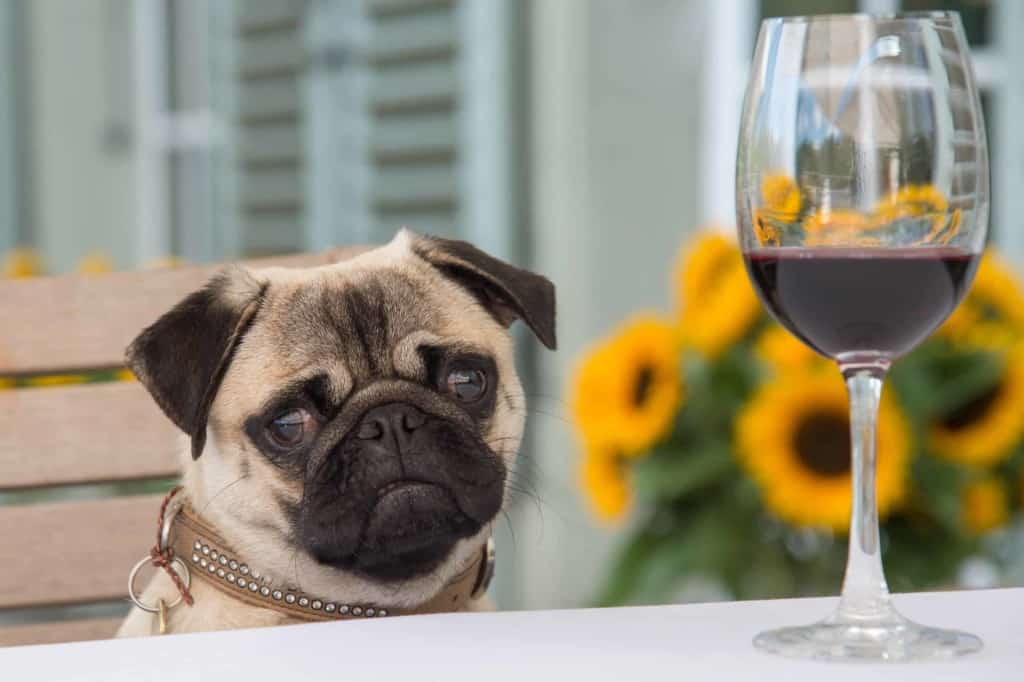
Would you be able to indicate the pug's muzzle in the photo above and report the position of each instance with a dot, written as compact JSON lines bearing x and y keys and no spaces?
{"x":395,"y":482}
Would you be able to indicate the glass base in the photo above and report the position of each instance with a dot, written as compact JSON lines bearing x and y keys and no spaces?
{"x":892,"y":638}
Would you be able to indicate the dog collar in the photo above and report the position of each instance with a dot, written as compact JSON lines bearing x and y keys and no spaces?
{"x":208,"y":557}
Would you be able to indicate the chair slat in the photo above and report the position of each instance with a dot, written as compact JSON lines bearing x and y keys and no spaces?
{"x":73,"y":552}
{"x":89,"y":433}
{"x":61,"y":631}
{"x":51,"y":324}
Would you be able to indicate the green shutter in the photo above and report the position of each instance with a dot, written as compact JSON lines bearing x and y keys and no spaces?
{"x":414,"y":100}
{"x":271,"y":63}
{"x":352,"y":121}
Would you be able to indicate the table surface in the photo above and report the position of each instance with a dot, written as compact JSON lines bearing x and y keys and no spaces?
{"x":690,"y":642}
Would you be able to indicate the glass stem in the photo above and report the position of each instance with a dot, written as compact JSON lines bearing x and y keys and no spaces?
{"x":865,"y":593}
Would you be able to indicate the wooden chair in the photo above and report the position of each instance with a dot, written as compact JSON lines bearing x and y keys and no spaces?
{"x":58,"y":443}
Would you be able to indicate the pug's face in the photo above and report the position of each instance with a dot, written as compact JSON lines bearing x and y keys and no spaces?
{"x":352,"y":425}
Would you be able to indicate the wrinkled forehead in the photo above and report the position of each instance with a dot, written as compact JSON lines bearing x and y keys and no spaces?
{"x":355,"y":325}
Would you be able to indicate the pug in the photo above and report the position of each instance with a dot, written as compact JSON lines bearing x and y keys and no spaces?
{"x":351,"y":431}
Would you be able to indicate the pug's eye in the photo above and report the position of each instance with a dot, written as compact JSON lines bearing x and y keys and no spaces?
{"x":291,"y":428}
{"x":467,"y":385}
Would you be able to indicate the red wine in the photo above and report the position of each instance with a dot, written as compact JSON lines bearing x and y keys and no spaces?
{"x":861,"y":301}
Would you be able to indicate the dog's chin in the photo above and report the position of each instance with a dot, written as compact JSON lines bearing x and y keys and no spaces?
{"x":411,"y":530}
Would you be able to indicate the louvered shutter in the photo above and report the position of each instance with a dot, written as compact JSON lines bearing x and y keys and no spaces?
{"x":352,"y":123}
{"x":269,"y":137}
{"x":414,"y":102}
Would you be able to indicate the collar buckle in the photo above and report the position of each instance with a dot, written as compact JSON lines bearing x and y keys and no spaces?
{"x":174,"y":505}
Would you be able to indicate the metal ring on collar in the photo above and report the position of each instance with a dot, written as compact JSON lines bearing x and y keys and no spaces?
{"x":486,"y":574}
{"x":184,"y":573}
{"x":173,"y":507}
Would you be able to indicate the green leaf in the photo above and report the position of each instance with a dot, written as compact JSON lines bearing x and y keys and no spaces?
{"x":671,"y":473}
{"x":628,"y":568}
{"x":936,"y":380}
{"x":940,"y":482}
{"x":715,"y":391}
{"x":920,"y":555}
{"x":701,"y":540}
{"x":766,"y":573}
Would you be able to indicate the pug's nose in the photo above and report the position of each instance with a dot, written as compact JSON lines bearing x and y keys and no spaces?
{"x":393,"y":425}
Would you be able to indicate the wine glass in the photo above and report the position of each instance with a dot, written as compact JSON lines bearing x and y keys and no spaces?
{"x":862,"y":204}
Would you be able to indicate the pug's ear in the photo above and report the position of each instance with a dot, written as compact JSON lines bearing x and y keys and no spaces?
{"x":507,"y":292}
{"x":182,"y":357}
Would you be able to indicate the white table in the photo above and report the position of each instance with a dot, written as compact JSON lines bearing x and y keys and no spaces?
{"x":685,"y":643}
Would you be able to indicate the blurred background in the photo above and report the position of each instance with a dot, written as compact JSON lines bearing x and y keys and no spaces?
{"x":583,"y":138}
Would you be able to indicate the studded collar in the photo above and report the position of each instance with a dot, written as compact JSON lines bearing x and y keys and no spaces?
{"x":211,"y":560}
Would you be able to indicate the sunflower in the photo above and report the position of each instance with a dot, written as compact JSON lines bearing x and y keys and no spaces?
{"x":766,"y":231}
{"x":990,"y":335}
{"x":984,"y":505}
{"x":837,"y":228}
{"x":782,"y":203}
{"x":627,"y":389}
{"x":95,"y":263}
{"x":993,"y":311}
{"x":781,"y":195}
{"x":604,"y":478}
{"x":793,"y":437}
{"x":984,"y":431}
{"x":785,"y":353}
{"x":717,"y":303}
{"x":21,"y":263}
{"x":917,"y":201}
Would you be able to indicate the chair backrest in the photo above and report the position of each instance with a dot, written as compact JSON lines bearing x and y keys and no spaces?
{"x":83,"y":467}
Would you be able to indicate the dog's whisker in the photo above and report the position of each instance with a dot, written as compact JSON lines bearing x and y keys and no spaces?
{"x":543,"y":413}
{"x":218,"y":493}
{"x":536,"y":396}
{"x":295,"y":566}
{"x":494,"y":444}
{"x":511,"y":529}
{"x":552,"y":415}
{"x":525,"y":492}
{"x":549,"y":398}
{"x":514,"y":490}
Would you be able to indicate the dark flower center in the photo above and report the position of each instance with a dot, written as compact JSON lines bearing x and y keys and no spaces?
{"x":642,"y":387}
{"x":822,"y":444}
{"x":971,"y":411}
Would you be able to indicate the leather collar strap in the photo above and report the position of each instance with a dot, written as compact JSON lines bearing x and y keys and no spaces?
{"x":211,"y":560}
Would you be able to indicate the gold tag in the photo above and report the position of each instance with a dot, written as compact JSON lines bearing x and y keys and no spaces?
{"x":161,"y":617}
